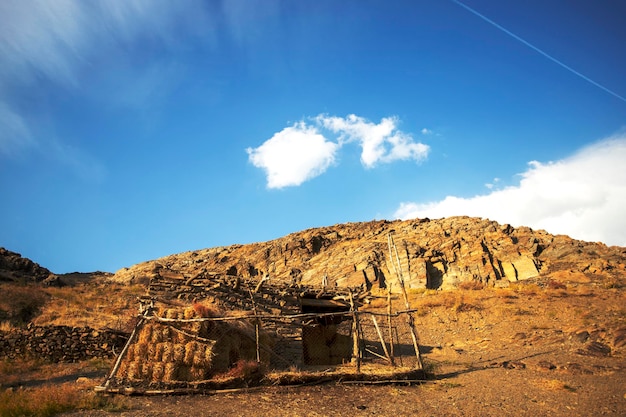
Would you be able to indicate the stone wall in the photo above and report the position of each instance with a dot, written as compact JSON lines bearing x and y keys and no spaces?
{"x":61,"y":343}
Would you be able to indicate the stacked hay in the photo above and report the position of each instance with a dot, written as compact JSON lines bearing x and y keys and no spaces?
{"x":185,"y":352}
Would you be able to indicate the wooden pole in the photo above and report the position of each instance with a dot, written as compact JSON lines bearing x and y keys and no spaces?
{"x":256,"y":328}
{"x":131,"y":338}
{"x":382,"y":340}
{"x":391,"y":350}
{"x":407,"y":305}
{"x":356,"y":353}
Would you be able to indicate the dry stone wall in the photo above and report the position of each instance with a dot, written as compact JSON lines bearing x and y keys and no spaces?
{"x":61,"y":343}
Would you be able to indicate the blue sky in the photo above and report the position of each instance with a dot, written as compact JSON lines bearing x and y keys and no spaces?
{"x":130,"y":130}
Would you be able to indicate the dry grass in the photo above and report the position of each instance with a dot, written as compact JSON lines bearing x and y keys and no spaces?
{"x":471,"y":285}
{"x":18,"y":371}
{"x":19,"y":304}
{"x":458,"y":301}
{"x":55,"y":399}
{"x":104,"y":305}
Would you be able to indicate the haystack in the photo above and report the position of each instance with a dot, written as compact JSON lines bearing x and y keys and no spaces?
{"x":187,"y":351}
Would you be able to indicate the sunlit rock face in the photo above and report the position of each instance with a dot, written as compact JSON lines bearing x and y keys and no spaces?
{"x":435,"y":254}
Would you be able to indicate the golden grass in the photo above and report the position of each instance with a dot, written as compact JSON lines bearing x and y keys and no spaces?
{"x":95,"y":305}
{"x":18,"y":371}
{"x":51,"y":400}
{"x":19,"y":304}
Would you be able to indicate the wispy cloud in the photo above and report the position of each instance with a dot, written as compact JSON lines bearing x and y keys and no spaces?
{"x":301,"y":152}
{"x":57,"y":44}
{"x":14,"y":134}
{"x":583,"y":196}
{"x":382,"y":142}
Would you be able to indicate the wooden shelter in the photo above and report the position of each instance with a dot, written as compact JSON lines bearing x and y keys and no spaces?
{"x":207,"y":331}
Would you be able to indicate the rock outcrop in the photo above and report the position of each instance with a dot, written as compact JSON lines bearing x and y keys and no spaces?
{"x":433,"y":254}
{"x":13,"y":267}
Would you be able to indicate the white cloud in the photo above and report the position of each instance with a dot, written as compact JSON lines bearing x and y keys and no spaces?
{"x":426,"y":131}
{"x":293,"y":155}
{"x":583,"y":196}
{"x":381,"y":142}
{"x":299,"y":153}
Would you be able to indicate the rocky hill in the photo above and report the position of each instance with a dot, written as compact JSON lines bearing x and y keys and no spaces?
{"x":433,"y":254}
{"x":14,"y":267}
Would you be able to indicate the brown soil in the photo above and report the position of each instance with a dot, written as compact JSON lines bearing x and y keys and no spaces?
{"x":526,"y":350}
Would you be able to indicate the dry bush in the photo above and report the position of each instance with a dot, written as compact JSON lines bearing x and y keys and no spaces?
{"x":19,"y":304}
{"x":207,"y":311}
{"x":454,"y":300}
{"x":555,"y":285}
{"x":246,"y":369}
{"x":471,"y":285}
{"x":51,"y":400}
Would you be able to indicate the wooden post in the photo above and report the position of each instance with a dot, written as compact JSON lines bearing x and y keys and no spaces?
{"x":356,"y":337}
{"x":131,"y":338}
{"x":391,"y":352}
{"x":382,"y":340}
{"x":256,"y":327}
{"x":410,"y":320}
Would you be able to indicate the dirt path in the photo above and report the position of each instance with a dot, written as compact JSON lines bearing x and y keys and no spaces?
{"x":484,"y":392}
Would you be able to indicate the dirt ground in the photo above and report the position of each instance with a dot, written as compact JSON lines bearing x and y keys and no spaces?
{"x":528,"y":351}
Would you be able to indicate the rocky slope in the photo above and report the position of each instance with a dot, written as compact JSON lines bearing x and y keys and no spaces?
{"x":433,"y":254}
{"x":13,"y":267}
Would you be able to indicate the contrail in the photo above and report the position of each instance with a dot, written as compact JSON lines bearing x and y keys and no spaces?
{"x":533,"y":47}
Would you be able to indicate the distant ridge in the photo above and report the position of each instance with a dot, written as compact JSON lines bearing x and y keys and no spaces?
{"x":433,"y":253}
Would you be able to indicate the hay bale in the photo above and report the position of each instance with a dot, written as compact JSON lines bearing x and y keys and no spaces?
{"x":198,"y":373}
{"x":158,"y":352}
{"x":151,"y":352}
{"x":190,"y":350}
{"x":168,"y":352}
{"x":146,"y":370}
{"x":141,"y":350}
{"x":157,"y":334}
{"x":169,"y":374}
{"x":145,"y":335}
{"x":195,"y":328}
{"x":134,"y":371}
{"x":209,"y":354}
{"x":166,"y":333}
{"x":189,"y":313}
{"x":178,"y":355}
{"x":122,"y":370}
{"x":130,"y":353}
{"x":158,"y":371}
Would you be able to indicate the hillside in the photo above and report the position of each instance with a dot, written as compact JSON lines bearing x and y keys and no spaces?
{"x":434,"y":254}
{"x":534,"y":324}
{"x":15,"y":268}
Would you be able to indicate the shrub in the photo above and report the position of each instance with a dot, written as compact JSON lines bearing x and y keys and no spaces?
{"x":471,"y":285}
{"x":53,"y":399}
{"x":19,"y":304}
